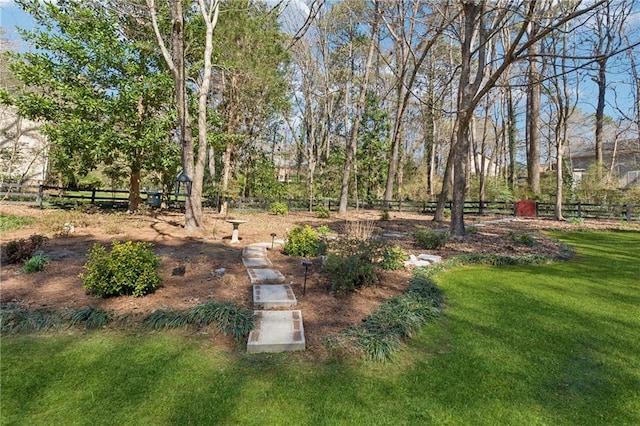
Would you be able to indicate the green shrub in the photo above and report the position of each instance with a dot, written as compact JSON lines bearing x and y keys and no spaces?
{"x":322,"y":212}
{"x":302,"y":241}
{"x":430,"y":239}
{"x":349,"y":273}
{"x":324,"y":230}
{"x":524,"y":239}
{"x":19,"y":250}
{"x":393,"y":258}
{"x":130,"y":268}
{"x":35,"y":264}
{"x":575,"y":220}
{"x":278,"y":208}
{"x":471,"y":230}
{"x":384,"y":216}
{"x":353,"y":263}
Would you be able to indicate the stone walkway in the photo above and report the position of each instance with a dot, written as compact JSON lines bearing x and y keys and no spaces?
{"x":276,"y":330}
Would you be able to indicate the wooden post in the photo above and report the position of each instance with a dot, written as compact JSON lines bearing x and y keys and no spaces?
{"x":628,"y":212}
{"x":40,"y":195}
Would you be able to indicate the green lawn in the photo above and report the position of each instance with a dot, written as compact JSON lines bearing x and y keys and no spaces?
{"x":553,"y":344}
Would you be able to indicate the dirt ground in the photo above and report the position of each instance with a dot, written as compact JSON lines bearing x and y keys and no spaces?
{"x":200,"y":254}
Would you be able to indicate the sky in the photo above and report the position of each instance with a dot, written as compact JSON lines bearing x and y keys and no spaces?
{"x":11,"y":16}
{"x":295,"y":11}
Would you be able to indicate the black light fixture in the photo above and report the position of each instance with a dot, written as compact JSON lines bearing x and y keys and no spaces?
{"x":273,"y":235}
{"x":182,"y":178}
{"x":306,"y":264}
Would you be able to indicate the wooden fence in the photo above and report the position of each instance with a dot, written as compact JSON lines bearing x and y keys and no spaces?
{"x":50,"y":195}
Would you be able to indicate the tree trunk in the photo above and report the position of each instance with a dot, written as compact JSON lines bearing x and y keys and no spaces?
{"x":353,"y":140}
{"x":511,"y":123}
{"x":134,"y":187}
{"x":226,"y":175}
{"x":447,"y":183}
{"x":602,"y":90}
{"x":533,"y":116}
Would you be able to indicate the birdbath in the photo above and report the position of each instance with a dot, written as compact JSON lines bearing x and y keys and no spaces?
{"x":236,"y":224}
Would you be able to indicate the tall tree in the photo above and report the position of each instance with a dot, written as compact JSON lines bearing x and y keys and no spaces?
{"x":193,"y":163}
{"x":414,"y":28}
{"x":533,"y":109}
{"x":250,"y":90}
{"x":480,"y":22}
{"x":353,"y":116}
{"x":608,"y":27}
{"x":101,"y":94}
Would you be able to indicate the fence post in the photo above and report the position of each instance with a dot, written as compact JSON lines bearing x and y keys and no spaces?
{"x":628,"y":212}
{"x":579,"y":209}
{"x":93,"y":196}
{"x":40,"y":195}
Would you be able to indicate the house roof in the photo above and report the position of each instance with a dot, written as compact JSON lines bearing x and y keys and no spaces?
{"x":624,"y":146}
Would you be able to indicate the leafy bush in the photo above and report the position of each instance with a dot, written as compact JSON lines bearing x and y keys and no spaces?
{"x":430,"y":239}
{"x":35,"y":264}
{"x":349,"y":273}
{"x":384,"y":216}
{"x":302,"y":241}
{"x":353,"y":263}
{"x":322,"y":212}
{"x":130,"y":268}
{"x":393,"y":258}
{"x":278,"y":208}
{"x":324,"y":230}
{"x":524,"y":239}
{"x":19,"y":250}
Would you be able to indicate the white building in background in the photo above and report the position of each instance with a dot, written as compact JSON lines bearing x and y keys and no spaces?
{"x":24,"y":151}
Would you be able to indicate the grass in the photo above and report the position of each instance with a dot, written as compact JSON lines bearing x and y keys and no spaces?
{"x":540,"y":344}
{"x":9,"y":223}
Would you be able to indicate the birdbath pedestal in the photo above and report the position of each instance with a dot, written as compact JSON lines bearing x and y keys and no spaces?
{"x":236,"y":224}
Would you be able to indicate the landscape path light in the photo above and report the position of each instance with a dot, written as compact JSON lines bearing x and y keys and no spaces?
{"x":306,"y":264}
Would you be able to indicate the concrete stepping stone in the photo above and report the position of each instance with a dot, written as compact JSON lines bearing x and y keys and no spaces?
{"x":251,"y":252}
{"x":267,"y":244}
{"x":256,"y":262}
{"x":265,"y":276}
{"x":422,"y":260}
{"x":273,"y":296}
{"x":277,"y":331}
{"x":395,"y":235}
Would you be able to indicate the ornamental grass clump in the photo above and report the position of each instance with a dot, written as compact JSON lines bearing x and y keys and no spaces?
{"x":129,"y":269}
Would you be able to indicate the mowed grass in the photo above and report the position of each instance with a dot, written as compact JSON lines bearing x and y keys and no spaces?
{"x":551,"y":344}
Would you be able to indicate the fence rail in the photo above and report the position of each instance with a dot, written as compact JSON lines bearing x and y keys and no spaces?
{"x":52,"y":195}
